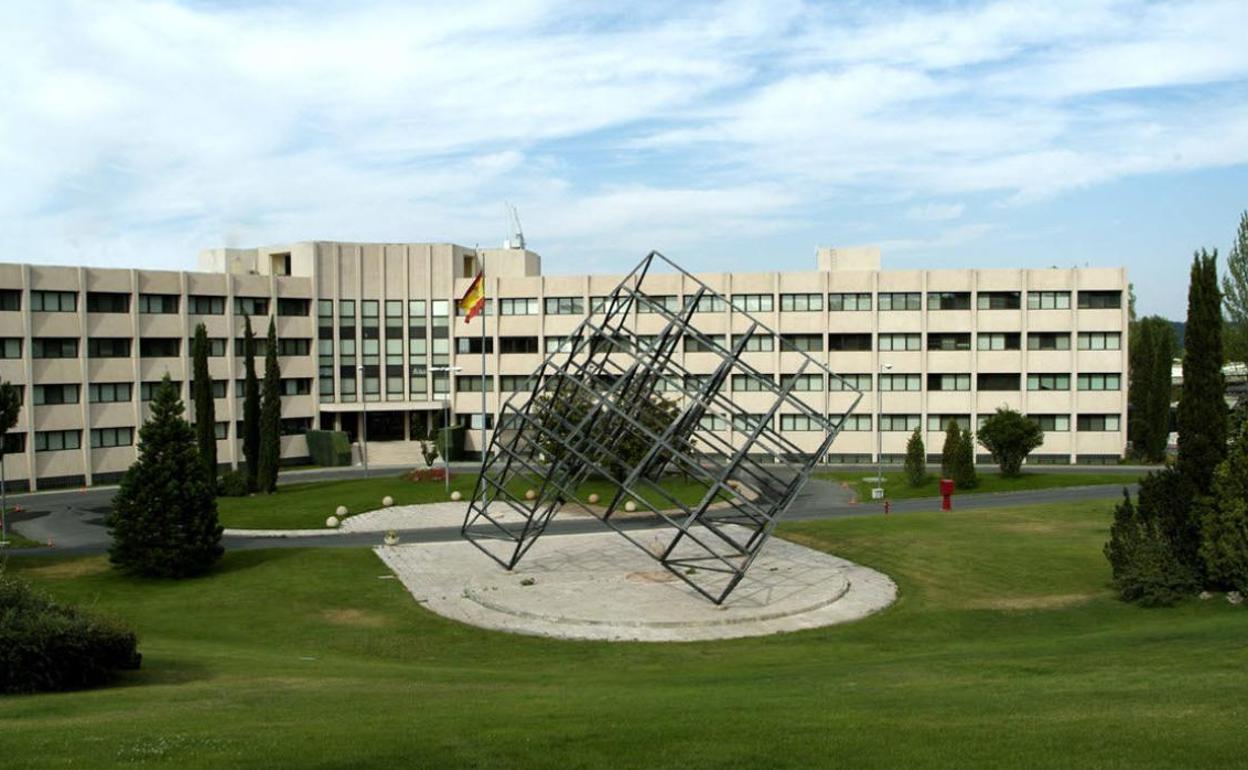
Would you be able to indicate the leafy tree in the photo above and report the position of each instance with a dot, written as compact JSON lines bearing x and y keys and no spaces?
{"x":205,"y":413}
{"x":1151,"y":357}
{"x":1202,"y":410}
{"x":1145,"y":568}
{"x":270,"y":417}
{"x":949,"y":452}
{"x":164,"y":520}
{"x":1235,"y":295}
{"x":10,"y":408}
{"x":1010,"y":437}
{"x":1224,"y":526}
{"x":964,"y":475}
{"x":251,"y":406}
{"x":916,"y":460}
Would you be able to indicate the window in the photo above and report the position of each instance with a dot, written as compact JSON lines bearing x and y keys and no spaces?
{"x":559,"y":344}
{"x":940,"y":422}
{"x":754,"y":303}
{"x":296,"y":386}
{"x":1111,"y":381}
{"x":518,"y":306}
{"x":901,"y":301}
{"x":709,"y":303}
{"x":565,"y":306}
{"x":714,"y":422}
{"x":1098,"y":422}
{"x":108,"y":302}
{"x":54,"y":301}
{"x":221,"y":429}
{"x":517,"y":345}
{"x":147,"y":390}
{"x":291,"y":306}
{"x":486,"y":309}
{"x":1100,"y":340}
{"x":293,"y":346}
{"x":218,"y":388}
{"x":803,"y":382}
{"x":746,"y":423}
{"x":11,"y":347}
{"x":801,"y":302}
{"x":474,"y":421}
{"x":57,"y":440}
{"x":948,"y":300}
{"x":749,"y":382}
{"x":847,"y":342}
{"x":251,"y":305}
{"x":394,"y":308}
{"x":10,"y":299}
{"x":200,"y":304}
{"x":895,"y":423}
{"x":997,"y":300}
{"x":854,"y":423}
{"x":56,"y":394}
{"x":1048,"y":340}
{"x":997,"y":381}
{"x":810,"y":343}
{"x":103,"y":438}
{"x":859,"y":301}
{"x":1100,"y":300}
{"x":262,"y":345}
{"x":216,"y":345}
{"x":892,"y":382}
{"x":649,"y":303}
{"x":14,"y":443}
{"x":860,"y":382}
{"x":900,"y":342}
{"x":295,"y":426}
{"x":949,"y":382}
{"x":54,"y":347}
{"x":1048,"y":300}
{"x":109,"y":392}
{"x":698,"y":345}
{"x":757,"y":343}
{"x":158,"y":304}
{"x":511,"y":383}
{"x":949,"y":341}
{"x":997,"y":340}
{"x":159,"y":347}
{"x":1053,"y":422}
{"x":696,"y":381}
{"x":108,"y":347}
{"x":473,"y":384}
{"x":799,"y":423}
{"x":1048,"y":382}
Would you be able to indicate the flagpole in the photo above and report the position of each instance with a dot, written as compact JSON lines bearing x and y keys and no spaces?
{"x":484,"y":408}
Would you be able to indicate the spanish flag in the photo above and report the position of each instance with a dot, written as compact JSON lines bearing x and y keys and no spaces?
{"x":473,"y":301}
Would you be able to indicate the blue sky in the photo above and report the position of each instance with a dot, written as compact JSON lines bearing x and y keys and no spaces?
{"x":730,"y":136}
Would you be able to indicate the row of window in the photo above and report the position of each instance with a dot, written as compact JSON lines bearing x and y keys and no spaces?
{"x":119,"y":302}
{"x":908,"y":423}
{"x":123,"y":392}
{"x":149,"y":347}
{"x":105,"y":438}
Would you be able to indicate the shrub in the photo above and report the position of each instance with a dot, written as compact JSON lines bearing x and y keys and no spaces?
{"x":234,"y":483}
{"x":916,"y":460}
{"x":949,"y":452}
{"x":1224,"y":524}
{"x":1144,"y":566}
{"x":964,"y":475}
{"x":45,"y":646}
{"x":1010,"y":437}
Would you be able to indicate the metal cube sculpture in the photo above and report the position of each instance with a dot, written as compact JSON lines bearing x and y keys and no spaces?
{"x":614,"y":407}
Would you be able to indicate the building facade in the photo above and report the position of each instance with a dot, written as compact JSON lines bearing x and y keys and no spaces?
{"x":369,"y":338}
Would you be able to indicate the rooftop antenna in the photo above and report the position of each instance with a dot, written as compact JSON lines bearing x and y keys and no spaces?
{"x":515,"y":235}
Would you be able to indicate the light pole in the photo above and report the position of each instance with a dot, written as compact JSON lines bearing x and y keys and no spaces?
{"x":878,"y":492}
{"x":446,"y":430}
{"x":363,"y":420}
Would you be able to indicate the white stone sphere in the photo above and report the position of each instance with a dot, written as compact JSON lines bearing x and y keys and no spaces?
{"x":593,"y":498}
{"x":341,"y":512}
{"x":332,"y":522}
{"x":456,"y":496}
{"x":387,"y":501}
{"x":530,"y":494}
{"x":630,"y":506}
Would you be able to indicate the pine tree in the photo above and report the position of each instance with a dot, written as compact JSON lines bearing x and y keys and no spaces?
{"x":916,"y":460}
{"x":1157,"y":405}
{"x":1235,"y":289}
{"x":164,"y":520}
{"x":251,"y":406}
{"x":10,"y":408}
{"x":964,"y":475}
{"x":205,"y":412}
{"x":1202,"y":410}
{"x":949,"y":452}
{"x":1224,"y":527}
{"x":270,"y":417}
{"x":1144,"y":566}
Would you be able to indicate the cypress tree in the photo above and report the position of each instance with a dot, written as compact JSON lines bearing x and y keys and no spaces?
{"x":251,"y":406}
{"x":1235,"y":289}
{"x":164,"y":520}
{"x":1150,"y":387}
{"x":916,"y":460}
{"x":964,"y":475}
{"x":205,"y":412}
{"x":1224,"y":528}
{"x":949,"y":452}
{"x":270,"y":417}
{"x":1202,"y":410}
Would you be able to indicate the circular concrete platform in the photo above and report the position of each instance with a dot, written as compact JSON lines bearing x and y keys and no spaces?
{"x":600,"y":586}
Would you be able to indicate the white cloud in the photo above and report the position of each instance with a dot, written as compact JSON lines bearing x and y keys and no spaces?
{"x":935,"y":212}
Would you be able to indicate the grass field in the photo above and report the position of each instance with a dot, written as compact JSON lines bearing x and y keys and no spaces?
{"x":306,"y":506}
{"x":896,"y":486}
{"x":1005,"y":649}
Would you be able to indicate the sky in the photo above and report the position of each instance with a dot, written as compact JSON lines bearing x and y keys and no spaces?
{"x":733,"y":136}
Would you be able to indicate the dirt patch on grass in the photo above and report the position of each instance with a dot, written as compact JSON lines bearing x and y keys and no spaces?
{"x":353,"y":617}
{"x":66,"y":570}
{"x":1030,"y":527}
{"x":1042,"y":602}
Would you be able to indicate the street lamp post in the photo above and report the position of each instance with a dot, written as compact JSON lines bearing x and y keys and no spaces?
{"x":878,"y":492}
{"x":363,"y":420}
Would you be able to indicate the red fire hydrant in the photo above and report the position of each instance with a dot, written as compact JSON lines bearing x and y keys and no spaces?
{"x":946,"y":494}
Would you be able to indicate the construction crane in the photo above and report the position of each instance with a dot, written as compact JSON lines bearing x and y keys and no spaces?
{"x":515,"y":235}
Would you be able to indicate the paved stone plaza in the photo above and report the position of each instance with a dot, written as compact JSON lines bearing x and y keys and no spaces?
{"x":600,"y":586}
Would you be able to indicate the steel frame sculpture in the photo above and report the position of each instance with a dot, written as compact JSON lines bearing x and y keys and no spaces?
{"x":597,"y":407}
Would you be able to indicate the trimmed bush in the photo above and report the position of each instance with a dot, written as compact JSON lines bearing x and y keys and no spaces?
{"x":47,"y":647}
{"x":1010,"y":437}
{"x":234,"y":483}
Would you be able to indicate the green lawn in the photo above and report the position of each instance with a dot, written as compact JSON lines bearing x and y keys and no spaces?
{"x":17,"y":540}
{"x":1005,"y":649}
{"x":306,"y":505}
{"x":896,"y":486}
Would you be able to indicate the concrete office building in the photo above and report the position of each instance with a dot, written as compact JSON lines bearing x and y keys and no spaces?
{"x":372,"y":328}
